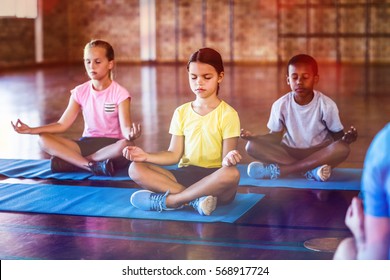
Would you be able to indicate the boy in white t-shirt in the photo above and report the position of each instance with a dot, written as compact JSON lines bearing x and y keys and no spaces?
{"x":306,"y":135}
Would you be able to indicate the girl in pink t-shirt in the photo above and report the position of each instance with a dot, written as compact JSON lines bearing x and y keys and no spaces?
{"x":105,"y":106}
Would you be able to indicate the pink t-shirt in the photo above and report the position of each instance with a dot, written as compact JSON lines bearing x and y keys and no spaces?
{"x":100,"y":109}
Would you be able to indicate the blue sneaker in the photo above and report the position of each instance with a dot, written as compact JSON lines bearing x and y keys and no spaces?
{"x":259,"y":170}
{"x":205,"y":205}
{"x":320,"y":173}
{"x":150,"y":201}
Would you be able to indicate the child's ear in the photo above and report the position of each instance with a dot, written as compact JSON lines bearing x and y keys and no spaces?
{"x":111,"y":64}
{"x":287,"y":80}
{"x":316,"y":79}
{"x":220,"y":77}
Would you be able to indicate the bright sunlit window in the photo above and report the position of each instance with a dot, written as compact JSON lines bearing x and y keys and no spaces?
{"x":19,"y":8}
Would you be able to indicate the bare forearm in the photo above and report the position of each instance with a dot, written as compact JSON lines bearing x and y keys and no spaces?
{"x":163,"y":158}
{"x":49,"y":128}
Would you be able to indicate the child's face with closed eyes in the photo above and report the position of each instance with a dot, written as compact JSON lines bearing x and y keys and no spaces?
{"x":301,"y":79}
{"x":203,"y":79}
{"x":96,"y":63}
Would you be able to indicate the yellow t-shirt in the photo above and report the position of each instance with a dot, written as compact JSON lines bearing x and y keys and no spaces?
{"x":204,"y":134}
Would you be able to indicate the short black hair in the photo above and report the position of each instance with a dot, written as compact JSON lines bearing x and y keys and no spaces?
{"x":306,"y":59}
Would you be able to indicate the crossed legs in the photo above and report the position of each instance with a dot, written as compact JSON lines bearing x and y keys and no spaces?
{"x":297,"y":160}
{"x":69,"y":150}
{"x":221,"y":184}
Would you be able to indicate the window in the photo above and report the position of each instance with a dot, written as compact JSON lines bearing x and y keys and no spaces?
{"x":19,"y":8}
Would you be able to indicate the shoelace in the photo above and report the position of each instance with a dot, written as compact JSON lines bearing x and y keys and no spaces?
{"x":194,"y":203}
{"x":157,"y":201}
{"x":274,"y":171}
{"x":309,"y":175}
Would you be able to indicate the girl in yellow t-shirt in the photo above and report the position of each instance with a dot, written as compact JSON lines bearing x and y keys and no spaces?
{"x":204,"y":140}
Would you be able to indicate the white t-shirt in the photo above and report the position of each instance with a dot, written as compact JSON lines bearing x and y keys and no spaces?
{"x":306,"y":125}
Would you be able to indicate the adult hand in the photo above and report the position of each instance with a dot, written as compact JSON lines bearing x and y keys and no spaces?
{"x":354,"y":218}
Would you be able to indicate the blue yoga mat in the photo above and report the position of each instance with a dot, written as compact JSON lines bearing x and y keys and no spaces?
{"x":107,"y":202}
{"x":122,"y":175}
{"x":33,"y":168}
{"x":40,"y":168}
{"x":341,"y":179}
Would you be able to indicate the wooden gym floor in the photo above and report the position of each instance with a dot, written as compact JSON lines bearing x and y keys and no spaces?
{"x":275,"y":228}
